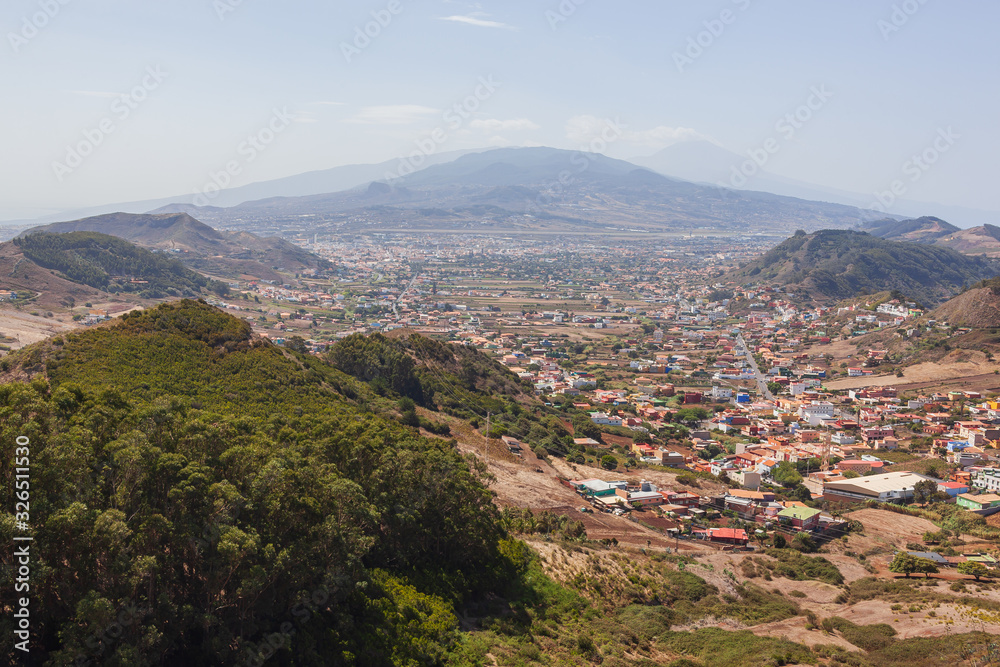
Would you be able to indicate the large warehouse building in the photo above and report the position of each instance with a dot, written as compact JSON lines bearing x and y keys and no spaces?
{"x":890,"y":487}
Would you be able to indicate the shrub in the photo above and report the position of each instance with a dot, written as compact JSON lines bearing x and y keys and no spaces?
{"x":866,"y":637}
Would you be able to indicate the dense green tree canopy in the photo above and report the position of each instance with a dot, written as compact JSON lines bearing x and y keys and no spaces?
{"x":230,"y":520}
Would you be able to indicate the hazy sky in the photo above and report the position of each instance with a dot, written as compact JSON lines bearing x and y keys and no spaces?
{"x":204,"y":75}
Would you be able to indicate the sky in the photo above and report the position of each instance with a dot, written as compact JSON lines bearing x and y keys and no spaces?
{"x":114,"y":101}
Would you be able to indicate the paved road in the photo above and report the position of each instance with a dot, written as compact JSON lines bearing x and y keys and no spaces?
{"x":761,"y":380}
{"x":395,"y":304}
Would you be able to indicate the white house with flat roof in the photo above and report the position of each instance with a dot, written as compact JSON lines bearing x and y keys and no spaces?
{"x":816,"y":412}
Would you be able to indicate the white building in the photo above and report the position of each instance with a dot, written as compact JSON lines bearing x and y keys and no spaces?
{"x":722,"y":393}
{"x":605,"y":419}
{"x":841,"y":438}
{"x":987,"y":479}
{"x":816,"y":412}
{"x":887,"y":487}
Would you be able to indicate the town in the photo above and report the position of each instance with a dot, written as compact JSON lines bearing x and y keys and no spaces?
{"x":656,"y":363}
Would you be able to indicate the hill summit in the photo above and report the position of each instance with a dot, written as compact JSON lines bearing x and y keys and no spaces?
{"x":197,"y":244}
{"x":978,"y":307}
{"x":843,"y":263}
{"x":109,"y":263}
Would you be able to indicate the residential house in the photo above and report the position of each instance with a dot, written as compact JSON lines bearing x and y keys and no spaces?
{"x":735,"y":536}
{"x":980,"y":502}
{"x":801,"y":517}
{"x":953,"y":489}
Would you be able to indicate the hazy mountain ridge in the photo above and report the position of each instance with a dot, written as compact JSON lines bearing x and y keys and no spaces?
{"x":196,"y":243}
{"x":920,"y":230}
{"x":540,"y":189}
{"x":702,"y":161}
{"x":982,"y":240}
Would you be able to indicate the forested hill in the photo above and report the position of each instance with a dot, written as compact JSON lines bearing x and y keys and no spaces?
{"x":112,"y":264}
{"x":453,"y":379}
{"x":234,"y":502}
{"x":843,"y":264}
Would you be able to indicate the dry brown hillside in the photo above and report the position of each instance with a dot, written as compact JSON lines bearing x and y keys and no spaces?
{"x":20,"y":274}
{"x":978,"y":308}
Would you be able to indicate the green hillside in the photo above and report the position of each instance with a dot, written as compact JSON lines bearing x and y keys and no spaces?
{"x":843,"y":264}
{"x":229,"y":490}
{"x":112,"y":264}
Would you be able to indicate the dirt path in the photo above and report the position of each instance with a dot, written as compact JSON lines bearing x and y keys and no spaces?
{"x":927,"y":375}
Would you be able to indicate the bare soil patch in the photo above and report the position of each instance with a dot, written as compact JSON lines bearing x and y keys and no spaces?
{"x":893,"y":528}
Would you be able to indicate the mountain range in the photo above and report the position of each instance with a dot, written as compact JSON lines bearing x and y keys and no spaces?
{"x":530,"y":190}
{"x":697,"y":163}
{"x":705,"y":162}
{"x":334,"y":179}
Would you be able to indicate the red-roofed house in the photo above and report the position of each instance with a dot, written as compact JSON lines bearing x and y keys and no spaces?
{"x":728,"y":535}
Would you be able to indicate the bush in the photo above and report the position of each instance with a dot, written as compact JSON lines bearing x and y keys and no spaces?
{"x":688,"y":479}
{"x":865,"y":637}
{"x":798,"y":567}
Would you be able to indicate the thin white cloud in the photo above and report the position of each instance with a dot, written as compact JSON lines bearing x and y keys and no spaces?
{"x":398,"y":114}
{"x":581,"y":129}
{"x":96,"y":93}
{"x":585,"y":128}
{"x":494,"y":125}
{"x":330,"y":104}
{"x":472,"y":20}
{"x":664,"y":135}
